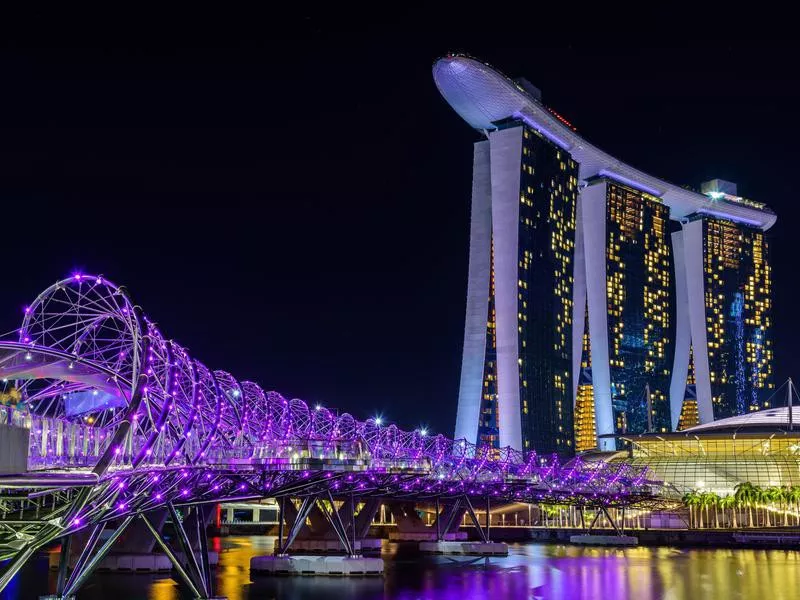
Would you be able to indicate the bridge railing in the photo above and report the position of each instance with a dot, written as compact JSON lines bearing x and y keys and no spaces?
{"x":56,"y":442}
{"x":292,"y":450}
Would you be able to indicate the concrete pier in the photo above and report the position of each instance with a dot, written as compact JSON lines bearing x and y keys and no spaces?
{"x":335,"y":566}
{"x":134,"y":563}
{"x":425,"y":536}
{"x":465,"y":548}
{"x":604,"y":540}
{"x":332,"y":546}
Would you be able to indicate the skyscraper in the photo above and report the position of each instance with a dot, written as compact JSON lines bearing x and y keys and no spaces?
{"x":725,"y":290}
{"x":591,"y":282}
{"x":519,"y":326}
{"x":624,"y":276}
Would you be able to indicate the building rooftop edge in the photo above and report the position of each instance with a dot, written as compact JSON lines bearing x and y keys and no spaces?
{"x":483,"y":95}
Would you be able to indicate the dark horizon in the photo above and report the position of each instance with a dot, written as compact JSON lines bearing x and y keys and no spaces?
{"x":298,"y":213}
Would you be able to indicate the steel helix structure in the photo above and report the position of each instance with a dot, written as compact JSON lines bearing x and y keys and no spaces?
{"x":93,"y":360}
{"x":123,"y":420}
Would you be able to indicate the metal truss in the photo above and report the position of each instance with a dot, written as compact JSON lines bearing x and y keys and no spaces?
{"x":123,"y":421}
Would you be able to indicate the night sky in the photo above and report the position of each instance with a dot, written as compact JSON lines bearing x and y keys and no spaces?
{"x":296,"y":211}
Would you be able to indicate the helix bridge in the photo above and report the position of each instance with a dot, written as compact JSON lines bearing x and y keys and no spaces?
{"x":117,"y":421}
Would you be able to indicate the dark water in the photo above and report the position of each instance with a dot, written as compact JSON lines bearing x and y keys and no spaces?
{"x":530,"y":571}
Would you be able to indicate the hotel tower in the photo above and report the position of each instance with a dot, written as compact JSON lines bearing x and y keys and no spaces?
{"x":601,"y":300}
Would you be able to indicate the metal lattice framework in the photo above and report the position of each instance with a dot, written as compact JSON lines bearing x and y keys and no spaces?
{"x":122,"y":420}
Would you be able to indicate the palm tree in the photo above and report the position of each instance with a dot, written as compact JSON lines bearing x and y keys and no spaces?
{"x":707,"y":499}
{"x":764,"y":499}
{"x":775,"y":495}
{"x":730,"y":503}
{"x":745,"y":495}
{"x":715,"y":502}
{"x":711,"y":499}
{"x":702,"y":503}
{"x":782,"y":495}
{"x":793,"y":499}
{"x":691,"y":499}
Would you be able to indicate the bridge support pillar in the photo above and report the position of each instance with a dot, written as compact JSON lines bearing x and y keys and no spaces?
{"x":364,"y":518}
{"x":602,"y":510}
{"x":483,"y":534}
{"x":448,"y":520}
{"x":334,"y":518}
{"x":66,"y":588}
{"x":298,"y":523}
{"x":326,"y":529}
{"x":345,"y":525}
{"x":196,"y":575}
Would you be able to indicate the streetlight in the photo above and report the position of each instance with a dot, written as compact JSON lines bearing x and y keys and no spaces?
{"x":378,"y":421}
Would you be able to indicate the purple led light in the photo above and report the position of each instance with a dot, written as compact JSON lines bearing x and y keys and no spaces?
{"x":197,"y":425}
{"x":628,"y":181}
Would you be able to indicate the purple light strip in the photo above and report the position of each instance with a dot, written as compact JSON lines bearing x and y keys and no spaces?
{"x":543,"y":130}
{"x":627,"y":181}
{"x":730,"y":217}
{"x":236,"y":433}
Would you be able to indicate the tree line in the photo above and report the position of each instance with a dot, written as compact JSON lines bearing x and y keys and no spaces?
{"x":749,"y":504}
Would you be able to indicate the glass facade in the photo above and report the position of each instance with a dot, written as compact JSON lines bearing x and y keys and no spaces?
{"x":585,"y":423}
{"x":640,"y":292}
{"x":689,"y":414}
{"x":718,"y":462}
{"x":640,"y":310}
{"x":488,"y":432}
{"x":738,"y":292}
{"x":548,"y":199}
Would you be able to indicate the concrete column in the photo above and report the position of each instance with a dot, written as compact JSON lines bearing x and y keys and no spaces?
{"x":593,"y":224}
{"x":695,"y":287}
{"x":506,"y":166}
{"x":471,"y":387}
{"x":578,"y":301}
{"x":683,"y":335}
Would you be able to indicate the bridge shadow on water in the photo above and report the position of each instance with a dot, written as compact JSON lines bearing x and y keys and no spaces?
{"x":530,"y":571}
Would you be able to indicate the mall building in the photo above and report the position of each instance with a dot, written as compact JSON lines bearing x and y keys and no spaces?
{"x":762,"y":448}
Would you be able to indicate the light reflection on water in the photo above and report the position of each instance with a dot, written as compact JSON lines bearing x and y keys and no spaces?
{"x":530,"y":571}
